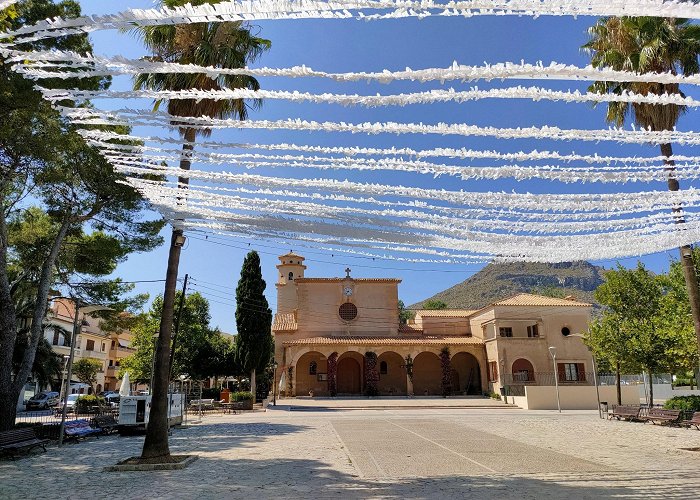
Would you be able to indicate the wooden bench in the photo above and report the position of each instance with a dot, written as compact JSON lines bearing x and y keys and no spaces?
{"x":662,"y":416}
{"x":77,"y":429}
{"x":694,"y":421}
{"x":625,"y":413}
{"x":106,"y":423}
{"x":15,"y":440}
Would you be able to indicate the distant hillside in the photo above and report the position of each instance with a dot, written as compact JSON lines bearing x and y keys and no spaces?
{"x":497,"y":281}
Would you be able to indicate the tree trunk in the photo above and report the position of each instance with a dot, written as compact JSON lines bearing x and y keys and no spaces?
{"x":252,"y":384}
{"x":651,"y":389}
{"x":8,"y":335}
{"x":618,"y":386}
{"x":10,"y":388}
{"x":156,"y":443}
{"x":686,"y":252}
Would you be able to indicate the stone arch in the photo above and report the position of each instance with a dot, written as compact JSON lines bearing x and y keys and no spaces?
{"x":393,"y":382}
{"x":304,"y":380}
{"x":427,"y":374}
{"x":523,"y":371}
{"x":467,"y":374}
{"x":350,"y":373}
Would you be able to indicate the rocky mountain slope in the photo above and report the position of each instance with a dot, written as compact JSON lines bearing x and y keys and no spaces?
{"x":496,"y":281}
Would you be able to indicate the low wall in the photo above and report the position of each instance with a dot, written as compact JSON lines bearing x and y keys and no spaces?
{"x":662,"y":392}
{"x":539,"y":397}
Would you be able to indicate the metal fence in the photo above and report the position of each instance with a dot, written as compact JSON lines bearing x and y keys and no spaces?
{"x":53,"y":416}
{"x":547,"y":379}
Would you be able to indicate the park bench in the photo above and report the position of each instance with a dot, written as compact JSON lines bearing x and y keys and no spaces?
{"x":106,"y":423}
{"x":77,"y":429}
{"x":203,"y":404}
{"x":20,"y":439}
{"x":625,"y":413}
{"x":662,"y":416}
{"x":694,"y":421}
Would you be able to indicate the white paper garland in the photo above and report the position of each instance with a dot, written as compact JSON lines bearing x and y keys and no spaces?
{"x":372,"y":101}
{"x":99,"y":139}
{"x":66,"y":64}
{"x":245,"y":10}
{"x":129,"y":117}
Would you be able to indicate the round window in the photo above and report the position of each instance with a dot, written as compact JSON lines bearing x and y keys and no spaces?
{"x":348,"y":311}
{"x":565,"y":331}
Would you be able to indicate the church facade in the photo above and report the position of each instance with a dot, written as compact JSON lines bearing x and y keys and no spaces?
{"x":337,"y":336}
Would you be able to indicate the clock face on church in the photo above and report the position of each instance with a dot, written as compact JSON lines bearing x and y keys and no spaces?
{"x":347,"y":291}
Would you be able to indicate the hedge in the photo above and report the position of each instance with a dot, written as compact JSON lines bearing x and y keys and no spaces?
{"x":685,"y":403}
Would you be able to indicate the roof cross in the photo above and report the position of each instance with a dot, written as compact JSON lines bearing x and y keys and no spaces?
{"x":347,"y":270}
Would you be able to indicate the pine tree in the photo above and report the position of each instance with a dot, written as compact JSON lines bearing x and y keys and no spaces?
{"x":253,"y":319}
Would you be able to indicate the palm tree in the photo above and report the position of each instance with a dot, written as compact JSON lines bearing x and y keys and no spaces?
{"x":650,"y":45}
{"x":217,"y":44}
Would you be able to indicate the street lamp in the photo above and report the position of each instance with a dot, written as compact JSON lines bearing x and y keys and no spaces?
{"x":553,"y":353}
{"x":76,"y":330}
{"x":274,"y":382}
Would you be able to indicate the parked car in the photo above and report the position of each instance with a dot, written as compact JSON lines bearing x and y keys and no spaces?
{"x":42,"y":401}
{"x":72,"y":400}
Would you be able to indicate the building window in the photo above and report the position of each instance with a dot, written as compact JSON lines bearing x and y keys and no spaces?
{"x":572,"y":372}
{"x":114,"y":344}
{"x":313,"y":368}
{"x":103,"y":346}
{"x":383,"y":368}
{"x":533,"y":331}
{"x":291,"y":276}
{"x":89,"y":345}
{"x":505,"y":331}
{"x":55,"y":336}
{"x":111,"y":362}
{"x":347,"y":311}
{"x":493,"y":371}
{"x":565,"y":331}
{"x":116,"y":363}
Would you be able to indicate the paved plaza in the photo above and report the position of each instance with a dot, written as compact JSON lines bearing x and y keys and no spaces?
{"x":379,"y":453}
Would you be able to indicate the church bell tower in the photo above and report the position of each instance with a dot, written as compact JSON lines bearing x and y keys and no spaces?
{"x":290,"y":268}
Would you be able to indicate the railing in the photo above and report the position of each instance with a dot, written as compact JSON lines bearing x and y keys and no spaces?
{"x":48,"y":421}
{"x":546,"y":379}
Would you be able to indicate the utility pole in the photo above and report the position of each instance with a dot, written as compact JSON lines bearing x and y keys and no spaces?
{"x":177,"y":325}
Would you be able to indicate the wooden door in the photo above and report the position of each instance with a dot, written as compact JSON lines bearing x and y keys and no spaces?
{"x":349,"y":376}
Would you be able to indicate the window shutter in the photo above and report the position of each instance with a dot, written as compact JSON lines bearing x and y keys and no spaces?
{"x":561,"y":374}
{"x":581,"y":371}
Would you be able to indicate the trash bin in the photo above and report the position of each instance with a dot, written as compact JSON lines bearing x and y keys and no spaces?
{"x":604,"y":406}
{"x":503,"y":391}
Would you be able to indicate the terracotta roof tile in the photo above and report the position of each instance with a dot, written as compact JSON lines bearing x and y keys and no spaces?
{"x":528,"y":299}
{"x":380,"y":341}
{"x":284,"y":322}
{"x":445,"y":313}
{"x":409,"y":329}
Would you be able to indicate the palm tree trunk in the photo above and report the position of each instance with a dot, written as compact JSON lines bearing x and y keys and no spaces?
{"x":156,"y":442}
{"x":252,"y":384}
{"x":618,"y":385}
{"x":686,"y":252}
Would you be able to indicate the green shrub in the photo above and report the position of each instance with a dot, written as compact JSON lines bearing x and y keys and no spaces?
{"x":495,"y":395}
{"x":685,"y":403}
{"x":236,"y":397}
{"x":86,"y":404}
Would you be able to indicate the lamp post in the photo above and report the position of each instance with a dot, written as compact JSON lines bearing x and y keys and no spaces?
{"x":553,"y":353}
{"x":274,"y":382}
{"x":76,"y":330}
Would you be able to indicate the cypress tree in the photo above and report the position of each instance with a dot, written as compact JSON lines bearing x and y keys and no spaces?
{"x":253,"y":319}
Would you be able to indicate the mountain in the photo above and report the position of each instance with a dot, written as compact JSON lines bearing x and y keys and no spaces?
{"x":500,"y":280}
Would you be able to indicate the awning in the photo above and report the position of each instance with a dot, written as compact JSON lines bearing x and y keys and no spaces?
{"x":124,"y":343}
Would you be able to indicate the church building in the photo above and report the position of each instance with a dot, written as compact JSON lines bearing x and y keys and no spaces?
{"x":332,"y":334}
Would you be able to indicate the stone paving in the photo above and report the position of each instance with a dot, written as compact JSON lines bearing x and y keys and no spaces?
{"x":421,"y":453}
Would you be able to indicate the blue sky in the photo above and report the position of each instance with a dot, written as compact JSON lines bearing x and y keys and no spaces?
{"x":349,"y":45}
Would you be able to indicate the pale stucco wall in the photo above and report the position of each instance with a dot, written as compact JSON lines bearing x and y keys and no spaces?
{"x":432,"y":325}
{"x":572,"y":398}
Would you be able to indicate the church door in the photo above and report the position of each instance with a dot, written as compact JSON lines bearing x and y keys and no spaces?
{"x":349,"y":376}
